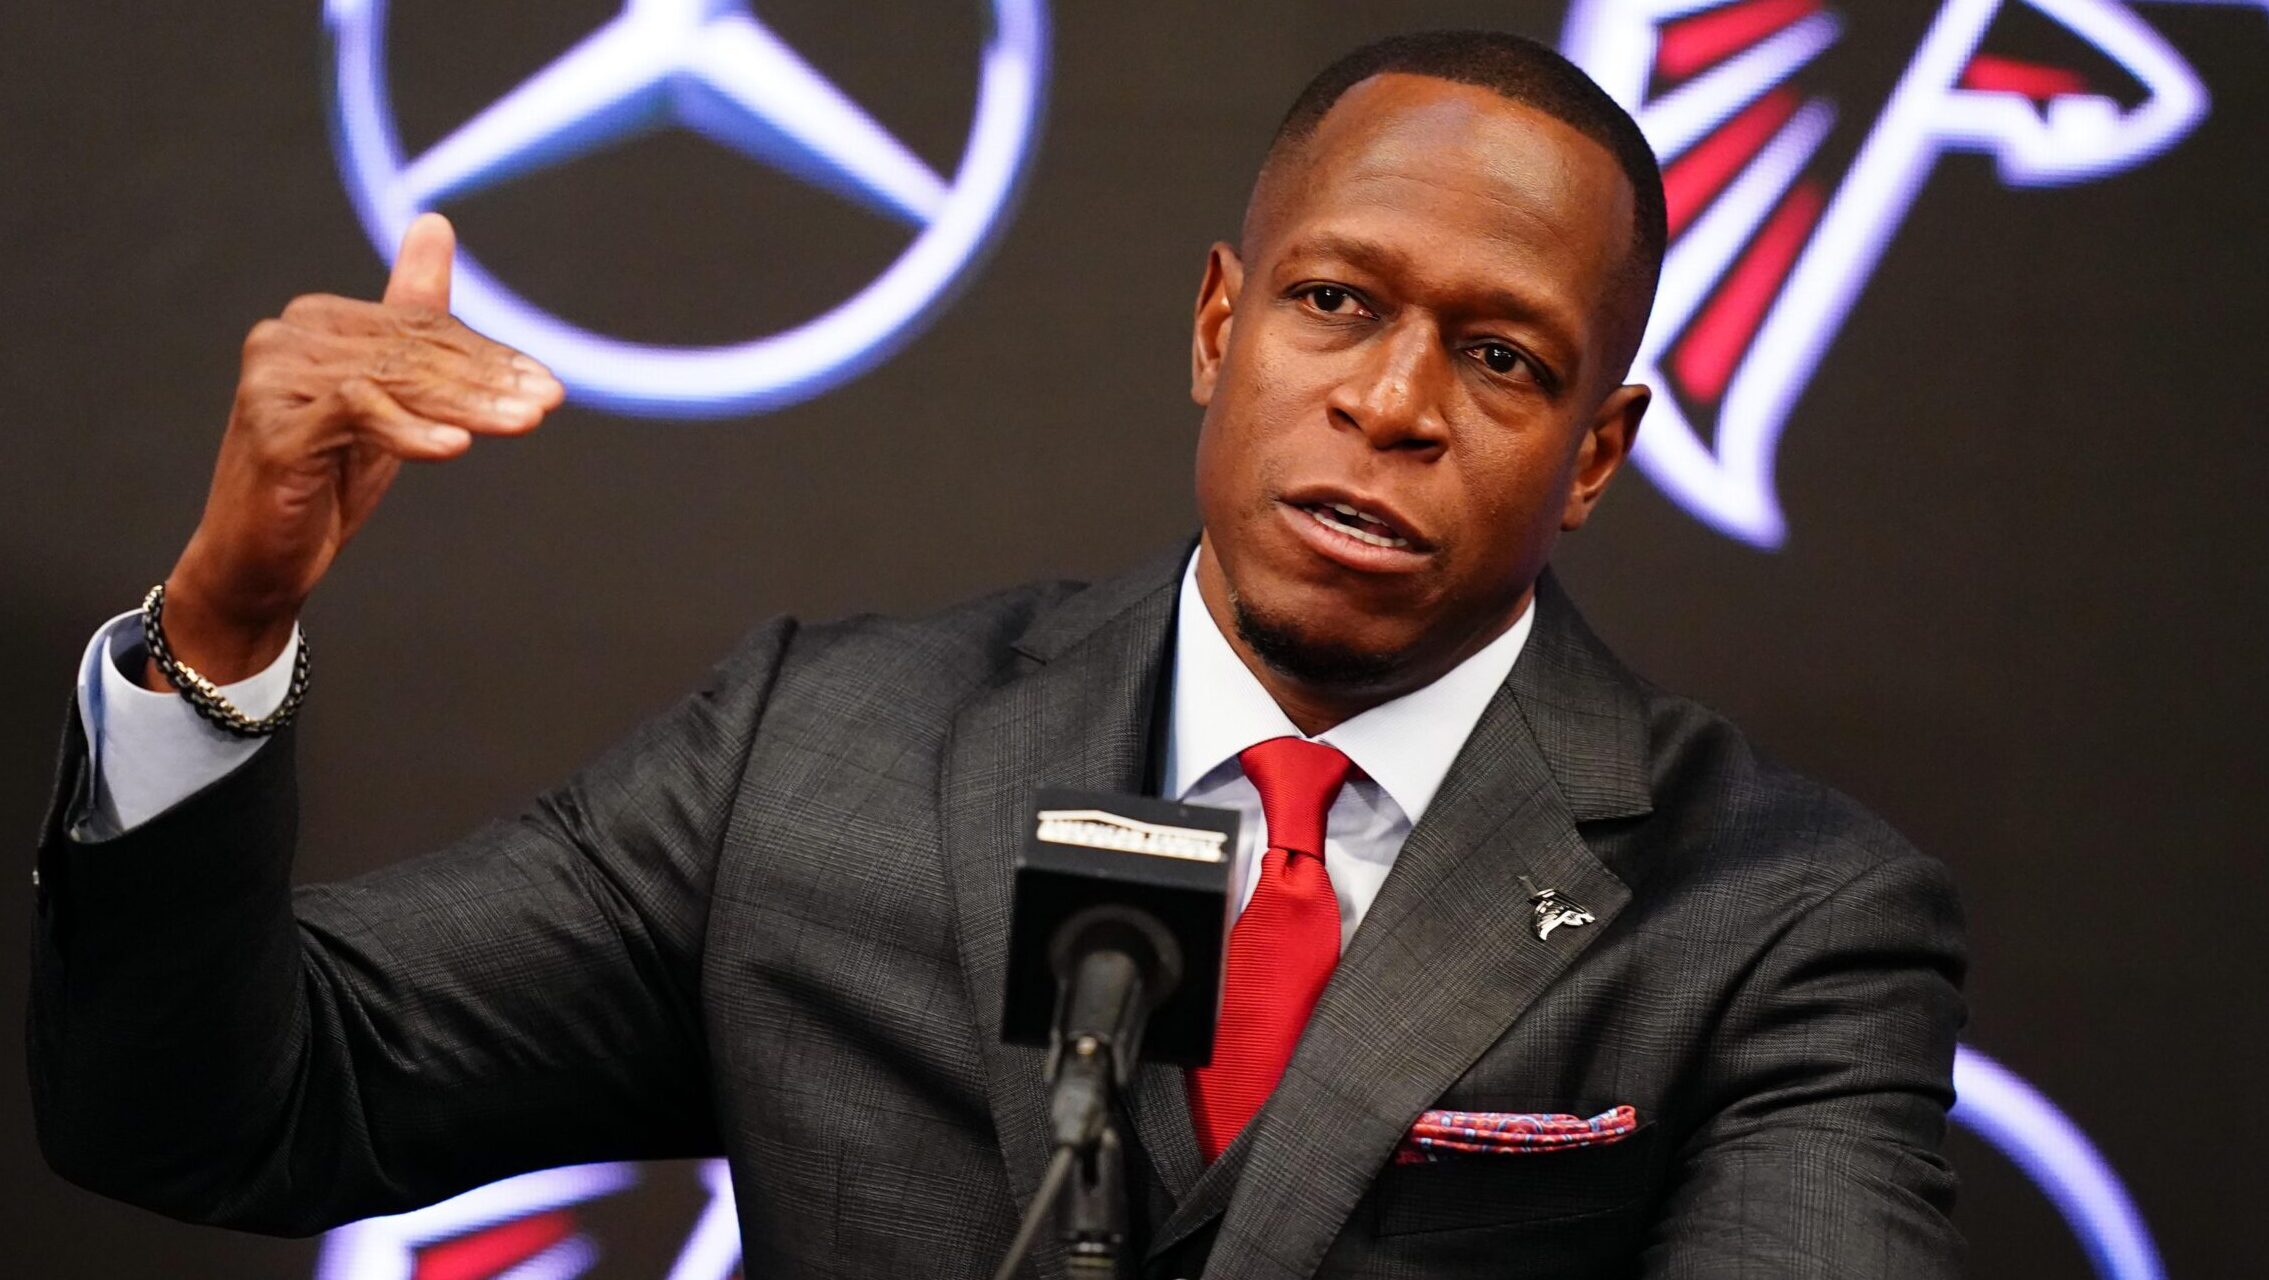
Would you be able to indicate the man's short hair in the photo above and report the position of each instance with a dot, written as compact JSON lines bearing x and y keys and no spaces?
{"x":1519,"y":70}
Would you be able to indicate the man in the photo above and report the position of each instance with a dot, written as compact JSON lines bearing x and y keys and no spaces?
{"x":1696,"y":1013}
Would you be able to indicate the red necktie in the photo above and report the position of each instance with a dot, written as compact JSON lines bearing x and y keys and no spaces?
{"x":1284,"y":945}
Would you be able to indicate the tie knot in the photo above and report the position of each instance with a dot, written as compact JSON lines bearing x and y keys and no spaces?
{"x":1297,"y":780}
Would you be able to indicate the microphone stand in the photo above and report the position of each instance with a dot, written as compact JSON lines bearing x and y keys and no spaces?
{"x":1091,"y":1213}
{"x":1113,"y":965}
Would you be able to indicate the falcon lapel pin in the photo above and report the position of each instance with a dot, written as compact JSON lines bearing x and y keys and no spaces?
{"x":1552,"y":910}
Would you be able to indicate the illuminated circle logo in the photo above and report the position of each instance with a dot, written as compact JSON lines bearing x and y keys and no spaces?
{"x":709,"y":66}
{"x":1770,"y":247}
{"x":2026,"y":1127}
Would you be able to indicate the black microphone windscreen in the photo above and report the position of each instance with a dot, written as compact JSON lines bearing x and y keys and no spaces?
{"x":1170,"y":861}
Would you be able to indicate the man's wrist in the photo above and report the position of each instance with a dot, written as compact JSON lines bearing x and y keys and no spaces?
{"x":222,"y":645}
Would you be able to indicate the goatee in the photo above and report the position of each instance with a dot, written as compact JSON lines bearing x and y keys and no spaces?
{"x":1315,"y":663}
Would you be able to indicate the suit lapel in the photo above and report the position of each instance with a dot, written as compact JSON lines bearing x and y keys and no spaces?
{"x":1077,"y":714}
{"x":1447,"y":958}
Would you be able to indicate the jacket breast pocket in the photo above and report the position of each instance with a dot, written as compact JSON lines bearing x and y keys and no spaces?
{"x":1500,"y":1189}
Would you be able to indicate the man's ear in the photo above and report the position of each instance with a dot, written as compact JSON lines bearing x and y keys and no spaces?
{"x":1600,"y":454}
{"x":1217,"y":304}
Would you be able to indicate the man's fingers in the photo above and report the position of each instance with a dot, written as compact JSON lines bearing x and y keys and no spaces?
{"x":375,"y":415}
{"x":490,"y":389}
{"x":384,"y":340}
{"x":375,"y":338}
{"x":421,"y":269}
{"x":475,"y":404}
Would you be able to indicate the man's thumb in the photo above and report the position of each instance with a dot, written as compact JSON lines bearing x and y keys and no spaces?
{"x":421,"y":269}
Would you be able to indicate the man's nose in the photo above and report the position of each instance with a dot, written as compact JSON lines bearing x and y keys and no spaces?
{"x":1393,"y":393}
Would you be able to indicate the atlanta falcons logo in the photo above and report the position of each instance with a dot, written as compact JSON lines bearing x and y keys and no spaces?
{"x":1768,"y":250}
{"x":534,"y":1227}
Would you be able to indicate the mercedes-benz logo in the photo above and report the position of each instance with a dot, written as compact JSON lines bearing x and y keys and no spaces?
{"x":712,"y":67}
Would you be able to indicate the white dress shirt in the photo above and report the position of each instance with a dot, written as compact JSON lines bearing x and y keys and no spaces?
{"x":149,"y":751}
{"x":1402,"y":748}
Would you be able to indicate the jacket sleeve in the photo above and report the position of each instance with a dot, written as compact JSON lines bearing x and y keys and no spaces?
{"x":210,"y":1043}
{"x":1825,"y":1093}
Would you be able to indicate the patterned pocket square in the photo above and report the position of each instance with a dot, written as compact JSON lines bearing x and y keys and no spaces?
{"x":1452,"y":1135}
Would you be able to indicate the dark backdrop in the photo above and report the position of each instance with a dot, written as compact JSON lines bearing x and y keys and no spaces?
{"x":2019,"y":611}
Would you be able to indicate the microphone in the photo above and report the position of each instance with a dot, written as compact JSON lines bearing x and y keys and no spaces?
{"x":1114,"y":965}
{"x":1116,"y":944}
{"x":1119,"y":929}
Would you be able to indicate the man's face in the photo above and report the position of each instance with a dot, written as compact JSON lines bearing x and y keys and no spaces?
{"x":1407,"y":378}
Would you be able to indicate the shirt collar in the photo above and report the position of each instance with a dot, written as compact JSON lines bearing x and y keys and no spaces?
{"x":1406,"y":745}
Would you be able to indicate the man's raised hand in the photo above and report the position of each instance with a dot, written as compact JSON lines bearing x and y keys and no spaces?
{"x":335,"y":393}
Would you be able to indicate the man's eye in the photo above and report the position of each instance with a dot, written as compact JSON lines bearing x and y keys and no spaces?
{"x":1499,"y":357}
{"x":1327,"y":297}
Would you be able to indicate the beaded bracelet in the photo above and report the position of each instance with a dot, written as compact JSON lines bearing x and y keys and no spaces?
{"x":205,"y":696}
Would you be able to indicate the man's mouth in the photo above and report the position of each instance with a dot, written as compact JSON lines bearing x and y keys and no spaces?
{"x":1341,"y":518}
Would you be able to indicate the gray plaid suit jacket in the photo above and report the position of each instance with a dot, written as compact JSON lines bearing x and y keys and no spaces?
{"x":771,"y":925}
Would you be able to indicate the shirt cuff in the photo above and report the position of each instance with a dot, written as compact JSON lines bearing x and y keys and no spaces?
{"x":149,"y":751}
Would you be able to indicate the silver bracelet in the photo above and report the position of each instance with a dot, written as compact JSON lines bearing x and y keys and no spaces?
{"x":205,"y":696}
